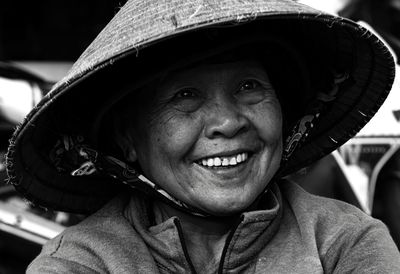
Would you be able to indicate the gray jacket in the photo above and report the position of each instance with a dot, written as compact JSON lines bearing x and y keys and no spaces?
{"x":298,"y":233}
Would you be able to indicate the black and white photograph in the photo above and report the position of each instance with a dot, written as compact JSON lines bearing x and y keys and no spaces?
{"x":200,"y":136}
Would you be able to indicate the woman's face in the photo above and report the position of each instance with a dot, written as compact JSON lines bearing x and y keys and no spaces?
{"x":210,"y":135}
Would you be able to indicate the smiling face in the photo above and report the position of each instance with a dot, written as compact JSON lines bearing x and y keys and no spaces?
{"x":211,"y":135}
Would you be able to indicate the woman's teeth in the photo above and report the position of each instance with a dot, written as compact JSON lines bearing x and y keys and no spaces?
{"x":224,"y":161}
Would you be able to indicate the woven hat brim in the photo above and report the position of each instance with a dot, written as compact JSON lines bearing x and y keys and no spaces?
{"x":122,"y":42}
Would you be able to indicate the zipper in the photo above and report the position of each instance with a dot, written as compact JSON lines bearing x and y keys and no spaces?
{"x":183,"y":244}
{"x":227,"y":242}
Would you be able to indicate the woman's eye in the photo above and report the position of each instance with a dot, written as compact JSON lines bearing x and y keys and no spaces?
{"x":186,"y":100}
{"x":254,"y":91}
{"x":185,"y":93}
{"x":249,"y":85}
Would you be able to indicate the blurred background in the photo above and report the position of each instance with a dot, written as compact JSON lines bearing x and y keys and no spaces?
{"x":39,"y":42}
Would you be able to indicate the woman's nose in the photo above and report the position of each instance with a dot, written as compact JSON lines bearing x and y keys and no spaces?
{"x":225,"y":119}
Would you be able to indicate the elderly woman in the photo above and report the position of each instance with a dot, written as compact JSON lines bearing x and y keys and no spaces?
{"x":176,"y":127}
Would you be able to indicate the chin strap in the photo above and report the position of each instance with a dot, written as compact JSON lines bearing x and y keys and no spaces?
{"x":73,"y":156}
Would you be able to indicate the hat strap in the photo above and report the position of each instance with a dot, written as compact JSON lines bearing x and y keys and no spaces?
{"x":72,"y":155}
{"x":122,"y":172}
{"x":303,"y":127}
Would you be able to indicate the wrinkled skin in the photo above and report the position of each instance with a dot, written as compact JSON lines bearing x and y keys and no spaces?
{"x":209,"y":111}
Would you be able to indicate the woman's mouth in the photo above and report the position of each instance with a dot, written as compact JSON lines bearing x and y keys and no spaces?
{"x":225,"y":161}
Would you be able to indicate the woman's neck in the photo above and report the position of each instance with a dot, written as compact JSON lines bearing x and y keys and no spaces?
{"x":204,"y":237}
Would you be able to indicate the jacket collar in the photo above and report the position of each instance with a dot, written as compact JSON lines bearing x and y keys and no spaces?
{"x":251,"y":235}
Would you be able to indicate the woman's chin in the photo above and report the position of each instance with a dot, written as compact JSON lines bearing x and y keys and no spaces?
{"x":225,"y":206}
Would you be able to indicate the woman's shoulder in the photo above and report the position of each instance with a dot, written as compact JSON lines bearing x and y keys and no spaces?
{"x":331,"y":222}
{"x":320,"y":208}
{"x":343,"y":235}
{"x":94,"y":244}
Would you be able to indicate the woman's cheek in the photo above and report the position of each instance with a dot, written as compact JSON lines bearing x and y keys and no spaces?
{"x":175,"y":129}
{"x":267,"y":119}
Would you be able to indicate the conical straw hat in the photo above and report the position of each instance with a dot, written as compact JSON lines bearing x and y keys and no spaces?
{"x":147,"y":36}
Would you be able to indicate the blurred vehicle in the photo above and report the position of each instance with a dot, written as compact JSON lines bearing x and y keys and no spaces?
{"x":366,"y":170}
{"x":35,"y":38}
{"x":373,"y":146}
{"x":22,"y":231}
{"x":23,"y":227}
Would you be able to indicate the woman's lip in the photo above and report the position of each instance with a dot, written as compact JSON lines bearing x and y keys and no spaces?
{"x":225,"y":153}
{"x":227,"y":172}
{"x":224,"y":161}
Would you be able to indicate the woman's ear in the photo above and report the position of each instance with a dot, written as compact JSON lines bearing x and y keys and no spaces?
{"x":131,"y":154}
{"x":125,"y":143}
